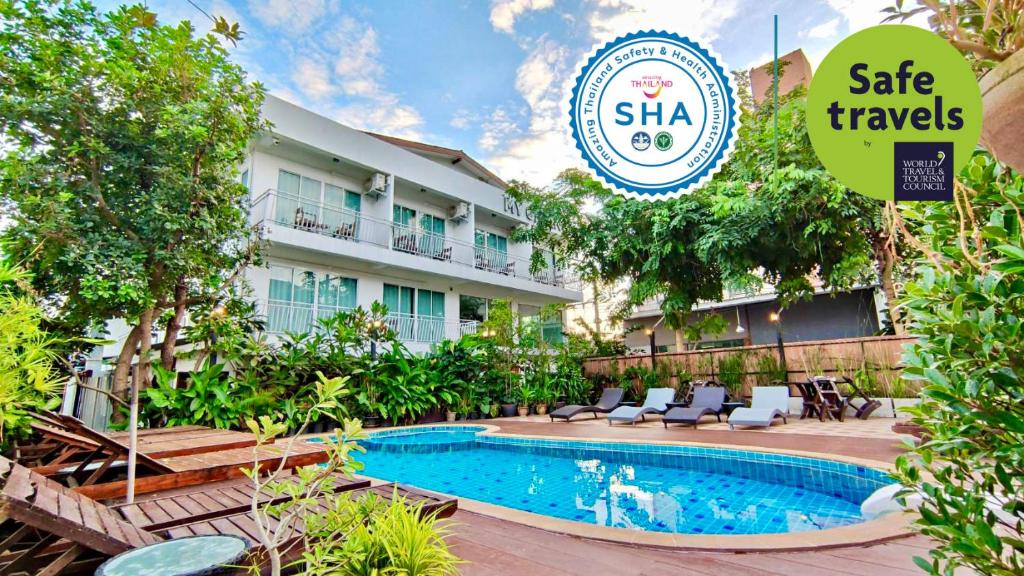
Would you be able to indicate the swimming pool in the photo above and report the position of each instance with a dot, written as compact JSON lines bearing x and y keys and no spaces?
{"x":650,"y":487}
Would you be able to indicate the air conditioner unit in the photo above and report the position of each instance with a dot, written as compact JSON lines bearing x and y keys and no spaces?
{"x":459,"y":212}
{"x":377,"y":185}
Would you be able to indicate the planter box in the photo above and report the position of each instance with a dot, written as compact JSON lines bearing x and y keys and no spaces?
{"x":1002,"y":92}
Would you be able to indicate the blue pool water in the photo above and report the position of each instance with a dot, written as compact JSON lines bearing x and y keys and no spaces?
{"x":659,"y":488}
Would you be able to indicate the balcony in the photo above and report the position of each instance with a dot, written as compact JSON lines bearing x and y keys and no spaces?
{"x":327,"y":220}
{"x":285,"y":317}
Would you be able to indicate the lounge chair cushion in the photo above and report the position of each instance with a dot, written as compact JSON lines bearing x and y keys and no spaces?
{"x":768,"y":403}
{"x":656,"y":403}
{"x":610,"y":399}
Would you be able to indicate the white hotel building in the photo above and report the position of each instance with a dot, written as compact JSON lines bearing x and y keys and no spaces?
{"x":352,"y":218}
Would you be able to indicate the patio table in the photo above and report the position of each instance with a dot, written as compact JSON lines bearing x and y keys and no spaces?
{"x":728,"y":407}
{"x":189,"y":556}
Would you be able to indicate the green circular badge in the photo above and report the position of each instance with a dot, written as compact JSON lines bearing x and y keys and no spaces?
{"x":894,"y":112}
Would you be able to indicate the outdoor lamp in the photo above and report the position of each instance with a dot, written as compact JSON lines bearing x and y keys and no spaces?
{"x":219,"y":311}
{"x":774,"y":317}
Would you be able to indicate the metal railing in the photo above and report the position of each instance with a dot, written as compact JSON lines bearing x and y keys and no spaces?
{"x":301,"y":318}
{"x":319,"y":218}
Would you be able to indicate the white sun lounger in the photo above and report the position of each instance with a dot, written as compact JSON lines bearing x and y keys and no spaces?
{"x":769,"y":403}
{"x":656,"y":403}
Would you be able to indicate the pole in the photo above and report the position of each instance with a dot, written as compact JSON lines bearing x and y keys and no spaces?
{"x":133,"y":437}
{"x":775,"y":66}
{"x":654,"y":365}
{"x":782,"y":348}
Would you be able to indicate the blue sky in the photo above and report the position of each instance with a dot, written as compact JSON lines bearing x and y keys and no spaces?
{"x":489,"y":77}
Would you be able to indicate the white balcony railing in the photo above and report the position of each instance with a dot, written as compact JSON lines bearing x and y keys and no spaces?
{"x":319,"y":218}
{"x":301,"y":318}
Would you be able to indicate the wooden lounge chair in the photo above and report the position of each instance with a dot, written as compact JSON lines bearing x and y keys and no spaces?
{"x":706,"y":400}
{"x":194,"y":469}
{"x":90,"y":456}
{"x":610,"y":399}
{"x":812,"y":403}
{"x":47,"y":529}
{"x":656,"y":403}
{"x":867,"y":405}
{"x":768,"y":403}
{"x":833,"y":402}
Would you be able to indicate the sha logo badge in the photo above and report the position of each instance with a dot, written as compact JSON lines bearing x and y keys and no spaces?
{"x":653,"y":114}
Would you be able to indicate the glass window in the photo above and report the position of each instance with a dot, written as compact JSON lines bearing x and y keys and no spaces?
{"x":432,"y":240}
{"x":244,"y":179}
{"x":430,"y":316}
{"x":491,"y":250}
{"x":297,"y":296}
{"x":298,"y":201}
{"x":473,"y":308}
{"x":399,"y":300}
{"x":335,"y":293}
{"x":341,"y":211}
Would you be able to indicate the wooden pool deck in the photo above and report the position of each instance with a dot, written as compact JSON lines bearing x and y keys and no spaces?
{"x":492,"y":546}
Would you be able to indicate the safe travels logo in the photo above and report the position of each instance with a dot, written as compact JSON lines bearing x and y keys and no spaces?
{"x":653,"y":114}
{"x":894,"y":112}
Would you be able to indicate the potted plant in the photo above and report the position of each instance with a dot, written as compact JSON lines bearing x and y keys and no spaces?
{"x":991,"y":35}
{"x":525,"y":393}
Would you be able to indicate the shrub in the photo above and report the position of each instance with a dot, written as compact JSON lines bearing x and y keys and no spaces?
{"x":967,"y":306}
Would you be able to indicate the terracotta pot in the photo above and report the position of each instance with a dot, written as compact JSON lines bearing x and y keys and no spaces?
{"x":450,"y":416}
{"x":523,"y":410}
{"x":541,"y":409}
{"x":1002,"y":93}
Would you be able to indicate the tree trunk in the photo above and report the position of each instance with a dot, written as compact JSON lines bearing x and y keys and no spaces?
{"x":597,"y":311}
{"x":886,"y":262}
{"x":680,"y":341}
{"x":173,"y":328}
{"x":142,"y":377}
{"x":119,"y":386}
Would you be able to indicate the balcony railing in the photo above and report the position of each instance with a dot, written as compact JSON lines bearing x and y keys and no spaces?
{"x":297,"y":317}
{"x":313,"y":216}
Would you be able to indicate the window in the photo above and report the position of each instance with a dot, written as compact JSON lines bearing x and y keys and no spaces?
{"x":415,"y":314}
{"x":432,"y":240}
{"x":298,"y":201}
{"x":336,"y":293}
{"x":244,"y":179}
{"x":298,"y":296}
{"x":491,"y":251}
{"x":341,"y":211}
{"x":430,"y":316}
{"x":473,"y":308}
{"x":404,"y":237}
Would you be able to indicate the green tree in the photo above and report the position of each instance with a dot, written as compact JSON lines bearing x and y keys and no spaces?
{"x":122,"y":139}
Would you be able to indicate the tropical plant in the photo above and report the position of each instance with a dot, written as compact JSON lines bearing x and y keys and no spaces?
{"x":210,"y":398}
{"x":988,"y":31}
{"x":118,"y":174}
{"x":29,"y":376}
{"x":731,"y":372}
{"x":769,"y":368}
{"x":966,"y":304}
{"x":373,"y":537}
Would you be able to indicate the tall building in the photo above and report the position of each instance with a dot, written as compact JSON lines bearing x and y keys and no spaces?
{"x":794,"y":69}
{"x":353,"y":217}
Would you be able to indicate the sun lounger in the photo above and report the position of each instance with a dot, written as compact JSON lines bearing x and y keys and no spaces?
{"x":610,"y":400}
{"x":706,"y":400}
{"x":769,"y":403}
{"x":50,"y":529}
{"x":656,"y":403}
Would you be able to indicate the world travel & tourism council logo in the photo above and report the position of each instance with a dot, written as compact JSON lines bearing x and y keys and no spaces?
{"x":653,"y":114}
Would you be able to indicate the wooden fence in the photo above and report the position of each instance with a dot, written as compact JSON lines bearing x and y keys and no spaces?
{"x":878,"y":357}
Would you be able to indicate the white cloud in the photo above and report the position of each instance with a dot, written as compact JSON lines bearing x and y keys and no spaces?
{"x":384,"y":114}
{"x":294,"y":16}
{"x":313,"y":79}
{"x":861,"y":14}
{"x":504,"y":13}
{"x":462,"y":119}
{"x":496,"y":129}
{"x":823,"y":30}
{"x":700,"y":19}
